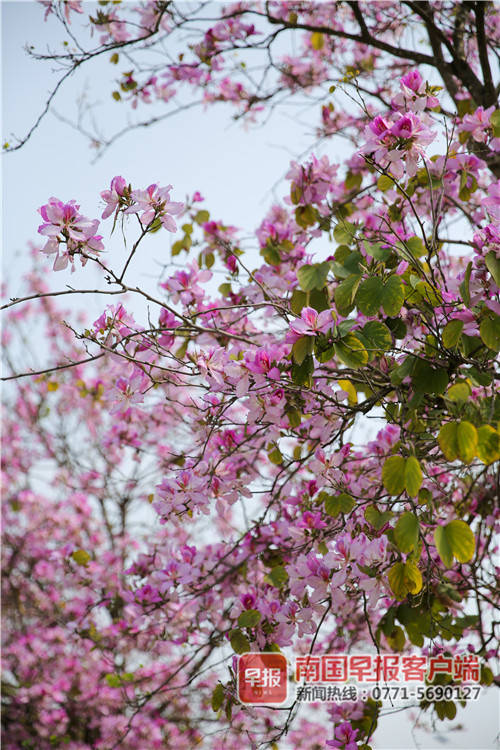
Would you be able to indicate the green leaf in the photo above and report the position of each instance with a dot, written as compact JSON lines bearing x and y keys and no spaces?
{"x":393,"y":474}
{"x":353,"y":180}
{"x":347,"y":502}
{"x":239,"y":642}
{"x":393,"y":296}
{"x":294,"y":417}
{"x":413,"y":476}
{"x":466,"y":441}
{"x":249,"y":618}
{"x":493,"y":265}
{"x":217,"y":697}
{"x":298,"y":300}
{"x":403,"y":370}
{"x":344,"y":294}
{"x":313,"y":276}
{"x":378,"y":335}
{"x":301,"y":374}
{"x":396,"y":639}
{"x":275,"y":456}
{"x":405,"y":578}
{"x":335,"y":504}
{"x":352,"y":262}
{"x":369,"y":296}
{"x":202,"y":216}
{"x":332,"y":505}
{"x":406,"y":532}
{"x":447,"y":440}
{"x":429,"y":379}
{"x":113,"y":680}
{"x":375,"y":250}
{"x":464,"y":286}
{"x":454,"y":540}
{"x":302,"y":348}
{"x":376,"y":518}
{"x":278,"y":576}
{"x":495,"y":123}
{"x":478,"y":377}
{"x":319,"y":300}
{"x":416,"y":246}
{"x":351,"y":351}
{"x":489,"y":331}
{"x":344,"y":232}
{"x":488,"y":444}
{"x":385,"y":183}
{"x":452,"y":332}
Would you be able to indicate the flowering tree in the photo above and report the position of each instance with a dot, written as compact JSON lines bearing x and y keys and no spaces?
{"x":240,"y":412}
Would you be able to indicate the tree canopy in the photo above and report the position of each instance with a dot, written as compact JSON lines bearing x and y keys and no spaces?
{"x":200,"y":482}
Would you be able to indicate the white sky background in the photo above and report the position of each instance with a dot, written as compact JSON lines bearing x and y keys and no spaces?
{"x":203,"y":150}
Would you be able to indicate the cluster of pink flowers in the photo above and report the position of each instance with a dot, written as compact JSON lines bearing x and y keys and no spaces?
{"x":69,"y":233}
{"x":154,"y":202}
{"x":414,"y":93}
{"x":478,"y":125}
{"x":397,"y":142}
{"x":312,"y":182}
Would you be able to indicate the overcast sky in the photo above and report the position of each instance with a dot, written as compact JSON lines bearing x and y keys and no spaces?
{"x":200,"y":150}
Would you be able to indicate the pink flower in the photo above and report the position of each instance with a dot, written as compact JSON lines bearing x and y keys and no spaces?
{"x":261,"y":363}
{"x":492,"y":202}
{"x":155,"y":202}
{"x":345,"y":737}
{"x":311,"y":322}
{"x":65,"y":226}
{"x":113,"y":196}
{"x":403,"y":128}
{"x":413,"y":81}
{"x":379,"y":126}
{"x":64,"y":218}
{"x":477,"y":124}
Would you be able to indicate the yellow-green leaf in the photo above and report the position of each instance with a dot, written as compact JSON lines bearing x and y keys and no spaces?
{"x":393,"y":296}
{"x":488,"y":444}
{"x":351,"y":351}
{"x":393,"y":475}
{"x":348,"y":387}
{"x":385,"y":183}
{"x":278,"y":576}
{"x":452,"y":332}
{"x":454,"y":540}
{"x":317,"y":40}
{"x":249,"y":618}
{"x":447,"y":440}
{"x":405,"y":578}
{"x":413,"y":476}
{"x":302,"y":347}
{"x":489,"y":330}
{"x":81,"y":557}
{"x":406,"y":532}
{"x":217,"y":697}
{"x":275,"y":456}
{"x":459,"y":392}
{"x":466,"y":441}
{"x":239,"y":642}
